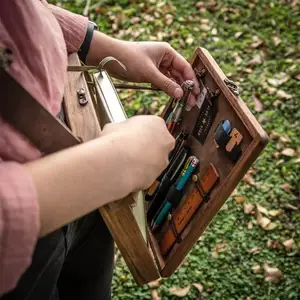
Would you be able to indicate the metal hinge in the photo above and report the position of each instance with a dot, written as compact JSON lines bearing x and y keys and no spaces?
{"x":232,"y":86}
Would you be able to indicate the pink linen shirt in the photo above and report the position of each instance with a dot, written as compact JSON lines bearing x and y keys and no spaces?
{"x":40,"y":36}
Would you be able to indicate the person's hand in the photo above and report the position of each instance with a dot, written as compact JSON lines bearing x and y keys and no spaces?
{"x":144,"y":143}
{"x":158,"y":63}
{"x":150,"y":62}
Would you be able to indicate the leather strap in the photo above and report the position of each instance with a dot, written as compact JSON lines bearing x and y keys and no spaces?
{"x":183,"y":215}
{"x":28,"y":116}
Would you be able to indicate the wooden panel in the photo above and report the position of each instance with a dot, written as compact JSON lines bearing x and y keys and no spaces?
{"x":119,"y":216}
{"x":234,"y":109}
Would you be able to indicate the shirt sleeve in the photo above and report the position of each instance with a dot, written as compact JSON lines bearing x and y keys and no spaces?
{"x":73,"y":26}
{"x":19,"y":223}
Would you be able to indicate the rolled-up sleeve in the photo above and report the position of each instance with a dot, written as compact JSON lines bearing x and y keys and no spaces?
{"x":73,"y":26}
{"x":19,"y":223}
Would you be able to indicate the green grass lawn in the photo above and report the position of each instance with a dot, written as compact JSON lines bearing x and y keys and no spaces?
{"x":256,"y":43}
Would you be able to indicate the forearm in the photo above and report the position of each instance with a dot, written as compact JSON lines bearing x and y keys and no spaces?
{"x":102,"y":46}
{"x":78,"y":180}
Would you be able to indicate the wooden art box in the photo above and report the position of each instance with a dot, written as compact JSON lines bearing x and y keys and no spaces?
{"x":217,"y":141}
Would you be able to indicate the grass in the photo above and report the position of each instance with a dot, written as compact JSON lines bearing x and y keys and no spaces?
{"x":235,"y":32}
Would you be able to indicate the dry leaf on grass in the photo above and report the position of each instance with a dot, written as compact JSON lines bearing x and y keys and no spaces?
{"x":198,"y":286}
{"x":155,"y":295}
{"x":287,"y":187}
{"x":250,"y":225}
{"x":264,"y":222}
{"x":254,"y":250}
{"x":290,"y":206}
{"x":256,"y":268}
{"x":262,"y":209}
{"x":279,"y":79}
{"x":274,"y":244}
{"x":288,"y":152}
{"x":248,"y":208}
{"x":154,"y":284}
{"x":272,"y":274}
{"x":276,"y":40}
{"x":258,"y":106}
{"x":249,"y":179}
{"x":276,"y":212}
{"x":239,"y":199}
{"x":288,"y":244}
{"x":256,"y":60}
{"x":283,"y":95}
{"x":180,"y":292}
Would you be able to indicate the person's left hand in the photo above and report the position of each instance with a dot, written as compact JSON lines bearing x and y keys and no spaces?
{"x":159,"y":64}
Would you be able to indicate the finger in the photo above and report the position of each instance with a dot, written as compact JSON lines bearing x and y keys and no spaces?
{"x":166,"y":84}
{"x":177,"y":75}
{"x":185,"y":69}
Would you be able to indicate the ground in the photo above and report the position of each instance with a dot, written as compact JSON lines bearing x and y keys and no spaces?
{"x":251,"y":249}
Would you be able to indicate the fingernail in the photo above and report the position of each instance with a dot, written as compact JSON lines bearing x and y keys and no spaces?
{"x":197,"y":91}
{"x":178,"y":93}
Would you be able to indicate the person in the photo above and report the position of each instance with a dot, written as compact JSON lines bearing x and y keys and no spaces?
{"x":54,"y":243}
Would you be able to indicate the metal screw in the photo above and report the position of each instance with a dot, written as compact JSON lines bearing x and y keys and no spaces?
{"x":81,"y":97}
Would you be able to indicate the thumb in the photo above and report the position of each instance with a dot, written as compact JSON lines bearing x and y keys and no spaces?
{"x":166,"y":84}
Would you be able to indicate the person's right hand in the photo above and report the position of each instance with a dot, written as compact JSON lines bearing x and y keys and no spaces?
{"x":145,"y":144}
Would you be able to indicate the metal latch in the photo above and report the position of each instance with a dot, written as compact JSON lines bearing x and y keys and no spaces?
{"x":232,"y":86}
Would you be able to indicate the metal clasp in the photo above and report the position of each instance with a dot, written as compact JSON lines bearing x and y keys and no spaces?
{"x":81,"y":97}
{"x":232,"y":86}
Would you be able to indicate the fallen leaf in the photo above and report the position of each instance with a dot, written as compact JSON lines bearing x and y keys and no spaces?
{"x":276,"y":103}
{"x":238,"y":60}
{"x":272,"y":274}
{"x":284,"y":139}
{"x":214,"y":31}
{"x":239,"y":199}
{"x":256,"y":268}
{"x":180,"y":292}
{"x":276,"y":40}
{"x":287,"y":187}
{"x":290,"y":206}
{"x":169,"y":19}
{"x":135,"y":20}
{"x":262,"y":209}
{"x":254,"y":250}
{"x":249,"y":179}
{"x":198,"y":286}
{"x":238,"y":34}
{"x":274,"y":244}
{"x":155,"y":283}
{"x":248,"y":208}
{"x":279,"y":79}
{"x":258,"y":106}
{"x":276,"y":212}
{"x":220,"y":247}
{"x":155,"y":295}
{"x":288,"y":244}
{"x":256,"y":60}
{"x":283,"y":95}
{"x":271,"y":226}
{"x":205,"y":27}
{"x":189,"y":40}
{"x":256,"y":42}
{"x":288,"y":152}
{"x":250,"y":225}
{"x":199,"y":4}
{"x":264,"y":222}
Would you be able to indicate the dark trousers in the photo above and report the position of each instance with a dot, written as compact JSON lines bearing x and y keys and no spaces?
{"x":74,"y":262}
